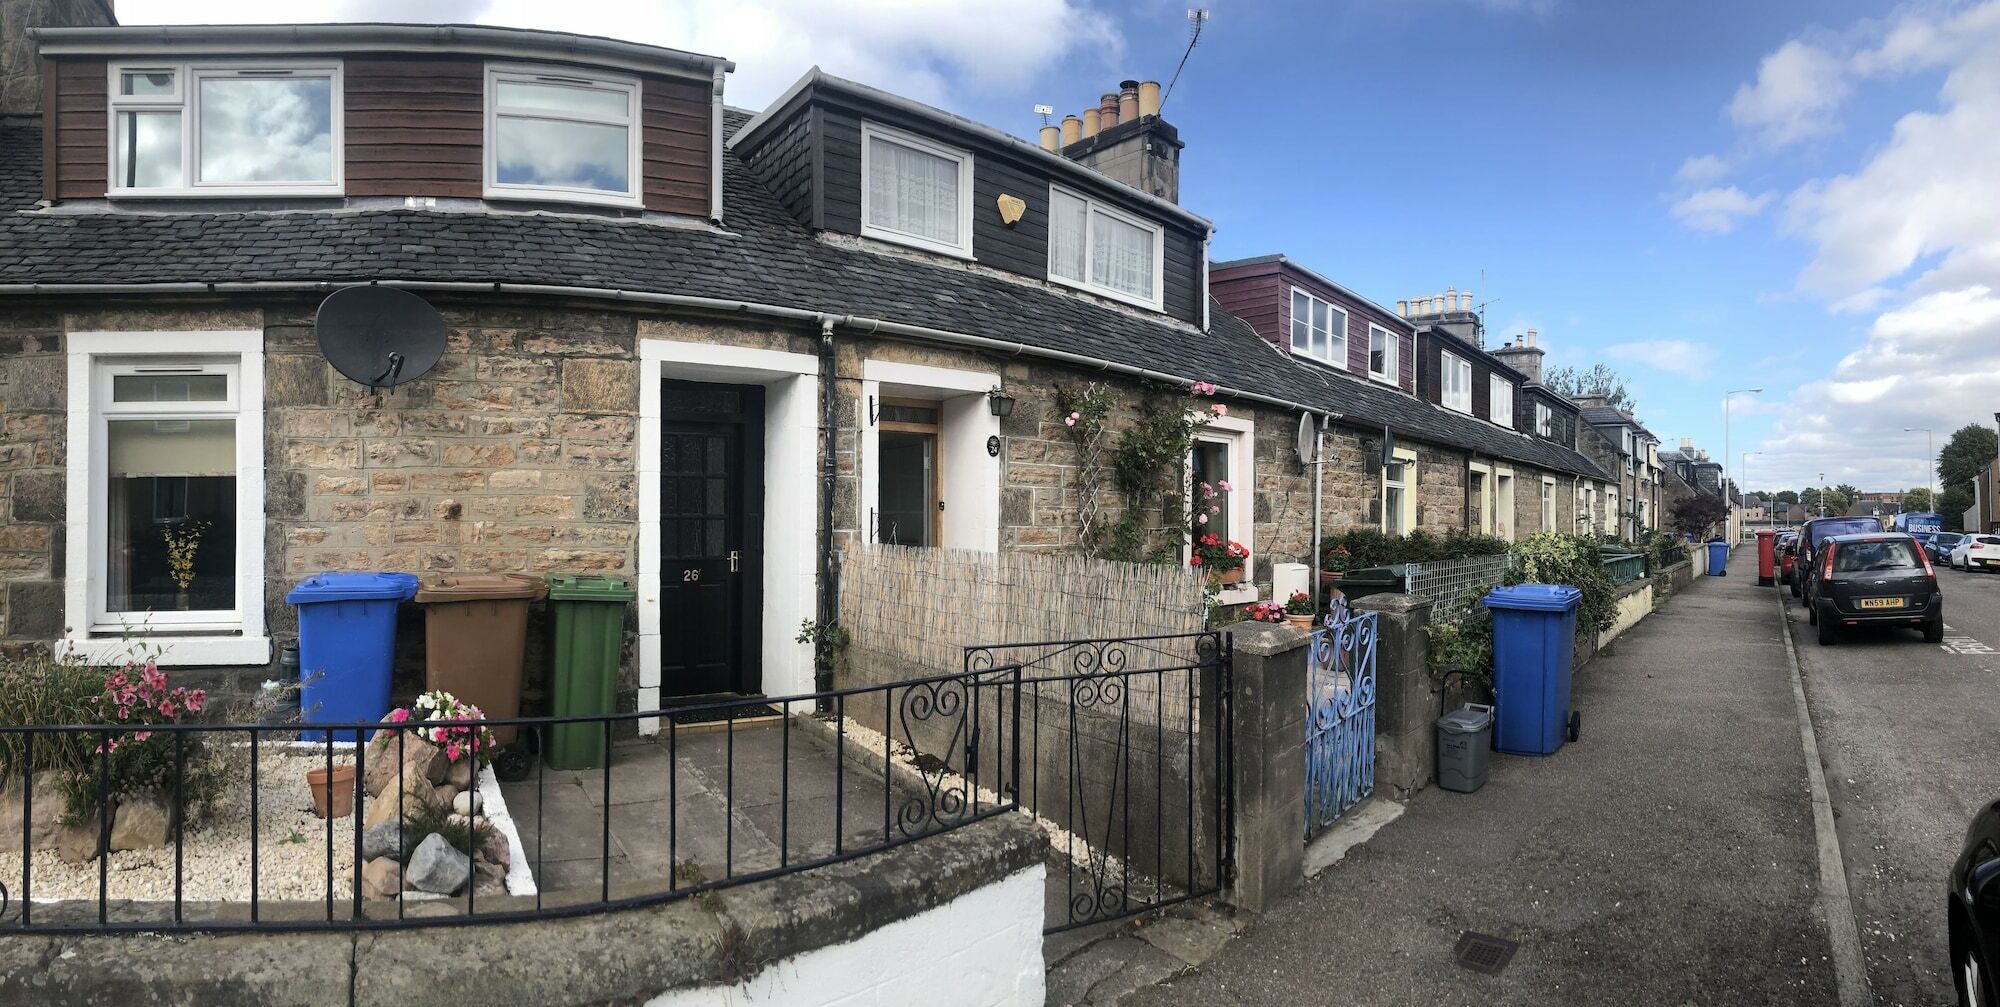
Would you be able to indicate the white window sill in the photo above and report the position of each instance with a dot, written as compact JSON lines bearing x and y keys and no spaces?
{"x":174,"y":651}
{"x":1385,"y":379}
{"x":1240,"y":594}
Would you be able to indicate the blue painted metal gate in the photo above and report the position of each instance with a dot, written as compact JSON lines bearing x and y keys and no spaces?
{"x":1340,"y":717}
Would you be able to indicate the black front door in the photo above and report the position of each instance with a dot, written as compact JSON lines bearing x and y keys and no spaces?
{"x":711,"y":537}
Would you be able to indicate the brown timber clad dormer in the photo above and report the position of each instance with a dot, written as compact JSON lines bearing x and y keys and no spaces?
{"x":1260,"y":293}
{"x":413,"y":127}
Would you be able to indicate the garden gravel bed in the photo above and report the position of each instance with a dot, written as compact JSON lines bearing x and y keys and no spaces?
{"x":291,"y":844}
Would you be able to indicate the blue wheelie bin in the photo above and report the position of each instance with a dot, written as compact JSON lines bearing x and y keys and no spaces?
{"x":1718,"y":558}
{"x":1534,"y":639}
{"x":347,"y":646}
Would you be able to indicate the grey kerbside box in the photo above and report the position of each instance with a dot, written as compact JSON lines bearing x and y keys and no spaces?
{"x":1465,"y":736}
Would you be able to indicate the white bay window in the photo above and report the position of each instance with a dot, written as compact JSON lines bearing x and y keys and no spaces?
{"x":1500,"y":405}
{"x":1455,"y":382}
{"x":166,"y":496}
{"x":225,"y":129}
{"x":1102,"y":250}
{"x":560,"y":134}
{"x":915,"y":192}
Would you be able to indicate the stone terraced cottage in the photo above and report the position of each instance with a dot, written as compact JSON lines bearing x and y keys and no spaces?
{"x":703,"y":347}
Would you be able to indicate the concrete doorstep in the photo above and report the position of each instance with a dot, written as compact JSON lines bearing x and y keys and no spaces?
{"x":1105,"y":963}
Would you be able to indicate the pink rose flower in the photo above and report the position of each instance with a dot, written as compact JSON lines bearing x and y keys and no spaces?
{"x":1226,"y":486}
{"x":1220,"y":409}
{"x":1201,"y":519}
{"x":1070,"y":422}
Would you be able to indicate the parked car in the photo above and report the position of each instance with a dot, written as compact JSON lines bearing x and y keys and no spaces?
{"x":1811,"y":537}
{"x":1882,"y":578}
{"x":1976,"y":552}
{"x":1940,"y":544}
{"x":1972,"y":910}
{"x":1787,"y":548}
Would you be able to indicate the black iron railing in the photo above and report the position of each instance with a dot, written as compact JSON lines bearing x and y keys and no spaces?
{"x":729,"y":792}
{"x":1127,"y":746}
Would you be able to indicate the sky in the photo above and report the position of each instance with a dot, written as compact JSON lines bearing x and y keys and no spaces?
{"x":1802,"y":197}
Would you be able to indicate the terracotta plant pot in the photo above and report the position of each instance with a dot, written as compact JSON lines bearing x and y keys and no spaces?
{"x":1330,"y":576}
{"x":340,"y":794}
{"x":1304,"y":622}
{"x":1228,"y":577}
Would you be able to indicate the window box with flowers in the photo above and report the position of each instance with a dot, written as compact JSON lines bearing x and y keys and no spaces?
{"x":1221,"y":559}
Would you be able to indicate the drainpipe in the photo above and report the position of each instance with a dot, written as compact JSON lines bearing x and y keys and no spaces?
{"x":1319,"y":477}
{"x":829,"y":470}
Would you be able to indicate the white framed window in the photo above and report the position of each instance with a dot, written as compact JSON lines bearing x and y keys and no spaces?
{"x":1223,"y":454}
{"x":1544,"y":420}
{"x":563,"y":135}
{"x":1455,"y":382}
{"x":1548,"y":504}
{"x":915,"y":192}
{"x":1104,"y":250}
{"x":1399,"y":493}
{"x":1382,"y":362}
{"x":1319,"y":329}
{"x":1500,"y":400}
{"x":166,"y":496}
{"x":225,"y":129}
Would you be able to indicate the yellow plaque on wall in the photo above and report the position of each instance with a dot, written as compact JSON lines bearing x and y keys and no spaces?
{"x":1011,"y":208}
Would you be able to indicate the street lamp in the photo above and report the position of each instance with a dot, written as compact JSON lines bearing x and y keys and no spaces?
{"x":1931,"y":459}
{"x":1822,"y":494}
{"x":1743,"y":467}
{"x":1725,"y":440}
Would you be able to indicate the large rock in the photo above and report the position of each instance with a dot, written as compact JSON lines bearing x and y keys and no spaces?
{"x":459,"y":774}
{"x":466,"y":803}
{"x":141,"y":823}
{"x":383,"y":840}
{"x":47,"y":816}
{"x":496,"y":851}
{"x":488,"y":879}
{"x":416,"y":794}
{"x":437,"y":867}
{"x":79,"y":843}
{"x":381,"y":878}
{"x":397,"y":753}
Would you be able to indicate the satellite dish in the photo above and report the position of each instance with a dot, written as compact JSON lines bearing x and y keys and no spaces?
{"x":1307,"y":444}
{"x":379,"y":336}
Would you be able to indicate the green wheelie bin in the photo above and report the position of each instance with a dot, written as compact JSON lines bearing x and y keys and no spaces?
{"x":586,"y":632}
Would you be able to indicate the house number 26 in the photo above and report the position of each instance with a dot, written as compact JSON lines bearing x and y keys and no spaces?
{"x":689,"y":576}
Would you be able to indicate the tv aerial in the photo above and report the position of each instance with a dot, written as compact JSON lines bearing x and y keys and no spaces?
{"x":379,"y":336}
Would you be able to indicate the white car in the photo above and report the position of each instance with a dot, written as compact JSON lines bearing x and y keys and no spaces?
{"x":1976,"y":552}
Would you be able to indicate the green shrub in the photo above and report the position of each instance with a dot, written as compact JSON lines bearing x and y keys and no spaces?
{"x":1367,"y":547}
{"x":1461,"y":635}
{"x":1555,"y":558}
{"x":435,"y":816}
{"x":37,"y":689}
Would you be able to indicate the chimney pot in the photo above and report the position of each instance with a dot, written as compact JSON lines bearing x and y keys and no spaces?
{"x":1402,"y":309}
{"x":1107,"y":110}
{"x":1072,"y":129}
{"x":1451,"y":298}
{"x":1051,"y":138}
{"x":1093,"y":121}
{"x":1128,"y":101}
{"x":1149,"y":97}
{"x":1532,"y":338}
{"x":1466,"y":299}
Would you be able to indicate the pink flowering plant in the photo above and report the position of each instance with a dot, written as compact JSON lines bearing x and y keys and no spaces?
{"x":440,"y":719}
{"x":135,"y":758}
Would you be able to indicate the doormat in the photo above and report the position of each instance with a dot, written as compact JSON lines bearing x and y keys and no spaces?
{"x":722,"y":714}
{"x":1484,"y":953}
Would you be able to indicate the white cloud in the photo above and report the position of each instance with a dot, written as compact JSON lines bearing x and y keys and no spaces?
{"x":1798,"y":88}
{"x":1717,"y":211}
{"x":1682,"y":357}
{"x":1702,"y":170}
{"x":934,"y":51}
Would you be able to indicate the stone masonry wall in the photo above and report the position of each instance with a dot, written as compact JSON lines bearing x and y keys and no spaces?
{"x":20,"y":66}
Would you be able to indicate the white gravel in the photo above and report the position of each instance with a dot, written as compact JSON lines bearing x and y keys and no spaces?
{"x":291,"y":845}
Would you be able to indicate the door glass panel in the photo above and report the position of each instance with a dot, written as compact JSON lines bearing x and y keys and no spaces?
{"x":904,"y":493}
{"x":170,"y":515}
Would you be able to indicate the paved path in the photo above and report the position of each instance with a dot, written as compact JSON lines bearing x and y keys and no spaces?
{"x":1668,"y":858}
{"x":1907,"y":733}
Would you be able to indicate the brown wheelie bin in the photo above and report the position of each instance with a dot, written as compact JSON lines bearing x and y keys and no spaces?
{"x":475,"y":636}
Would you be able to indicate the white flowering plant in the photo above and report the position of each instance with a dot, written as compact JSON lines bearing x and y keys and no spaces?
{"x":439,"y":718}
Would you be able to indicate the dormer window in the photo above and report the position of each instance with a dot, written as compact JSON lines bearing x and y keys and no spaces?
{"x":1455,"y":382}
{"x":1102,"y":250}
{"x":915,"y":192}
{"x":1500,"y":401}
{"x":1319,"y":329}
{"x":1382,"y":355}
{"x":225,"y":129}
{"x":562,"y":136}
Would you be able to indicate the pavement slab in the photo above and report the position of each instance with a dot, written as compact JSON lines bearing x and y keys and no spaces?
{"x":1666,"y":858}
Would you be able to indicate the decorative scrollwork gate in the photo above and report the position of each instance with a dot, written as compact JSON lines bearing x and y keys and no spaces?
{"x":1340,"y":718}
{"x":1125,"y":744}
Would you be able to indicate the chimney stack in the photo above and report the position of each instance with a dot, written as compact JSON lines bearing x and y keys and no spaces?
{"x":1123,"y":137}
{"x":1524,"y":356}
{"x":21,"y":60}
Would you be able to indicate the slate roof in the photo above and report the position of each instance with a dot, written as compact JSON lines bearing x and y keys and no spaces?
{"x":762,"y":255}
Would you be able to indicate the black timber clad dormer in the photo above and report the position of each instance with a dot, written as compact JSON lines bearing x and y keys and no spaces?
{"x":807,"y":150}
{"x":1563,"y":414}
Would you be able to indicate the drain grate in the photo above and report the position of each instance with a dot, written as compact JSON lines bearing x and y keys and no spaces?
{"x":1484,"y":953}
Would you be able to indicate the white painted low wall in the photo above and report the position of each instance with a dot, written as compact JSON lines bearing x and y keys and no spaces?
{"x":1631,"y":608}
{"x":982,"y":949}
